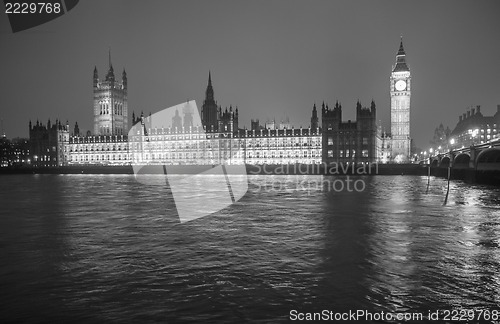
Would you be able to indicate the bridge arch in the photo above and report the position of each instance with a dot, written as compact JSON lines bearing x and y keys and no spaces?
{"x":461,"y":161}
{"x":488,"y":159}
{"x":434,"y":163}
{"x":445,"y":162}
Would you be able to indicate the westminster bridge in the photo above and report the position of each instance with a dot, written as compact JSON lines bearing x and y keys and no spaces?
{"x":477,"y":163}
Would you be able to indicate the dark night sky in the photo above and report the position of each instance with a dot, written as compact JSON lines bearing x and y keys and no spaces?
{"x":270,"y":58}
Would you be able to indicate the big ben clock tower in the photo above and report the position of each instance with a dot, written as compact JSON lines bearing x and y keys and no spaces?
{"x":400,"y":108}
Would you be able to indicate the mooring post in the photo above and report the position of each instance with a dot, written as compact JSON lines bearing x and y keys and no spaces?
{"x":447,"y":190}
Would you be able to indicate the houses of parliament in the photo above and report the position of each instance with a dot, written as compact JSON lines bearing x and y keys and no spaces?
{"x":214,"y":136}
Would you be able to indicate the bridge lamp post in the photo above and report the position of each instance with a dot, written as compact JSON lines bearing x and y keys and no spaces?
{"x":452,"y":143}
{"x":474,"y":134}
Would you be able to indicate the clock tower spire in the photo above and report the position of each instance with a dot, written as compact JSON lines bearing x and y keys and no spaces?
{"x":400,"y":86}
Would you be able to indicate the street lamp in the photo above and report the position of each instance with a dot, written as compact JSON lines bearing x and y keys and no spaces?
{"x":474,"y":134}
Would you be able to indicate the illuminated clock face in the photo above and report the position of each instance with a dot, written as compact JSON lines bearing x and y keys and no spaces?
{"x":400,"y":85}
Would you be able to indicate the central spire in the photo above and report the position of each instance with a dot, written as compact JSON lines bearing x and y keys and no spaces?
{"x":209,"y":95}
{"x":110,"y":76}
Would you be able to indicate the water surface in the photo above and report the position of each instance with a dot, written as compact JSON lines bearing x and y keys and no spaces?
{"x":106,"y":248}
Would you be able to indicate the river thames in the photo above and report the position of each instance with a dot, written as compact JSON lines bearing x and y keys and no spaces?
{"x":106,"y":248}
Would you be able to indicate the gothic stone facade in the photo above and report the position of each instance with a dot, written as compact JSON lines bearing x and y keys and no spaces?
{"x":218,"y":139}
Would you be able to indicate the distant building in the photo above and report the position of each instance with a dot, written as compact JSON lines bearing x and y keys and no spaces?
{"x":5,"y":152}
{"x":270,"y":124}
{"x":351,"y":141}
{"x":48,"y":144}
{"x":474,"y":128}
{"x":20,"y":148}
{"x":255,"y":125}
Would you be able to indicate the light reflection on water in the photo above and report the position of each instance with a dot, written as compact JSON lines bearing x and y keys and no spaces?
{"x":106,"y":248}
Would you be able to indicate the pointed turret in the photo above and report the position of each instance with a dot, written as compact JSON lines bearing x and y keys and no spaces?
{"x":124,"y":78}
{"x":401,"y":59}
{"x":109,"y":58}
{"x":96,"y":77}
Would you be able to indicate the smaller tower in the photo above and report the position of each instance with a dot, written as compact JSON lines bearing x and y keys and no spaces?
{"x":255,"y":124}
{"x":227,"y":121}
{"x":76,"y":130}
{"x":124,"y":79}
{"x":110,"y":103}
{"x":176,"y":121}
{"x":330,"y":121}
{"x":188,"y":117}
{"x":96,"y":77}
{"x":314,"y":118}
